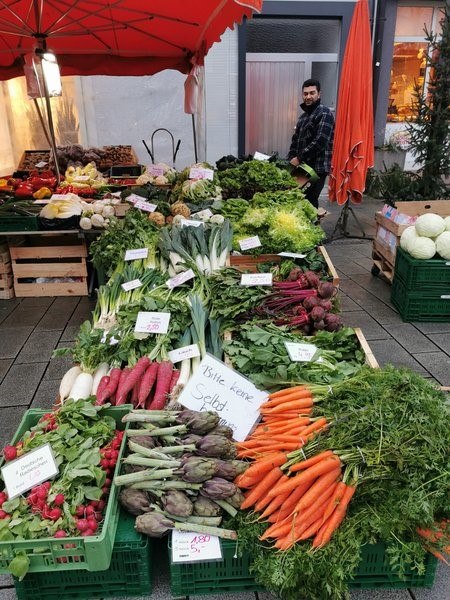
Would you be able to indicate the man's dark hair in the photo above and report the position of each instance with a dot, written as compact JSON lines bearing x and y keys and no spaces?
{"x":311,"y":83}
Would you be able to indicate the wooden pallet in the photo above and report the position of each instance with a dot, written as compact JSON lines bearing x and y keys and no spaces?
{"x":6,"y":274}
{"x":383,"y":261}
{"x":250,"y":263}
{"x":58,"y":259}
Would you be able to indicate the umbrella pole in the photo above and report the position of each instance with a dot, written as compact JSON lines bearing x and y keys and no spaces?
{"x":341,"y":230}
{"x":42,"y":122}
{"x":194,"y":134}
{"x":51,"y":129}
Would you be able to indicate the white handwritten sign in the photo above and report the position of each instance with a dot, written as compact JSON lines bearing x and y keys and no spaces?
{"x":152,"y":322}
{"x":41,"y":164}
{"x":192,"y":547}
{"x":250,"y":242}
{"x":29,"y":470}
{"x":183,"y":353}
{"x":445,"y":297}
{"x":214,"y":386}
{"x":291,"y":254}
{"x":199,"y":173}
{"x":251,"y":279}
{"x":58,"y":197}
{"x":191,"y":223}
{"x":145,"y":206}
{"x":300,"y":352}
{"x":136,"y":254}
{"x":155,"y":171}
{"x":180,"y":278}
{"x":260,"y":156}
{"x":203,"y":214}
{"x":135,"y":198}
{"x":131,"y":285}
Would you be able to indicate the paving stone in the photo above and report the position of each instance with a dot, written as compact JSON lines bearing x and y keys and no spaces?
{"x":5,"y":580}
{"x":52,"y":321}
{"x":390,"y":352}
{"x":10,"y":419}
{"x":370,"y":328}
{"x":65,"y":304}
{"x":19,"y":385}
{"x":385,"y":315}
{"x":377,"y":287}
{"x":412,"y":340}
{"x":363,"y":261}
{"x":39,"y":347}
{"x":8,"y":594}
{"x":46,"y":394}
{"x":356,"y":292}
{"x":440,"y":589}
{"x":347,"y":304}
{"x":352,"y":268}
{"x":37,"y":302}
{"x":12,"y":340}
{"x":4,"y":366}
{"x":442,"y":340}
{"x":432,"y":327}
{"x":59,"y":365}
{"x":7,"y":306}
{"x":24,"y":317}
{"x":437,"y":364}
{"x":379,"y":595}
{"x":70,"y":333}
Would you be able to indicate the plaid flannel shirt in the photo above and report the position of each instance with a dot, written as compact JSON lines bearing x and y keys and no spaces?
{"x":312,"y":142}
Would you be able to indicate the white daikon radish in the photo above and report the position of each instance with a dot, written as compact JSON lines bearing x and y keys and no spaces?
{"x":100,"y":372}
{"x":67,"y":382}
{"x":82,"y":387}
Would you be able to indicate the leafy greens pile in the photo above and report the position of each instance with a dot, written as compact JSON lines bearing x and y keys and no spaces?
{"x":396,"y":422}
{"x":254,"y":176}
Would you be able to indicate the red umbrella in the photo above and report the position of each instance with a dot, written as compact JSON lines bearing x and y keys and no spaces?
{"x":115,"y":37}
{"x":353,"y":140}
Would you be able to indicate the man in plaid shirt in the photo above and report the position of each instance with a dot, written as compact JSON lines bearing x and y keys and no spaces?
{"x":312,"y":142}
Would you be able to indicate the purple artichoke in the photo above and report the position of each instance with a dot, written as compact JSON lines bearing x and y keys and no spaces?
{"x":218,"y":488}
{"x":153,"y":524}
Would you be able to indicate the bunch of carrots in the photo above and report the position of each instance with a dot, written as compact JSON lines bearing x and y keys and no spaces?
{"x":301,"y":497}
{"x":437,"y":539}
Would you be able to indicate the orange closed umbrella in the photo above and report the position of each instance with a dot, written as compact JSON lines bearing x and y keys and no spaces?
{"x":353,"y":140}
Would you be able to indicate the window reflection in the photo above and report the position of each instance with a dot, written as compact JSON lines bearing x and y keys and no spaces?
{"x":408,"y":71}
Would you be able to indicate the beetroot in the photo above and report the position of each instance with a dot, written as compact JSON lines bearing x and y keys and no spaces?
{"x":319,"y":325}
{"x":332,"y":322}
{"x":326,"y":305}
{"x":295,"y":273}
{"x":317,"y":313}
{"x":311,"y":302}
{"x":326,"y":290}
{"x":312,"y":279}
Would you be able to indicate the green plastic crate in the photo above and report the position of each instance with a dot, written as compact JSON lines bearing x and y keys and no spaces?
{"x":426,"y":305}
{"x":18,"y":223}
{"x":228,"y":575}
{"x":233,"y":574}
{"x":130,"y":573}
{"x":420,"y":275}
{"x":375,"y":571}
{"x":92,"y":553}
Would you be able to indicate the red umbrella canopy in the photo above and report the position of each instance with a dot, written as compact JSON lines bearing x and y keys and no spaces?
{"x":115,"y":37}
{"x":353,"y":140}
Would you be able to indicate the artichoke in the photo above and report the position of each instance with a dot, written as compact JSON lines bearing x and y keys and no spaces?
{"x":147,"y":441}
{"x":218,"y":488}
{"x":176,"y":503}
{"x":153,"y":524}
{"x":133,"y":468}
{"x":136,"y":502}
{"x":223,"y":430}
{"x":198,"y":422}
{"x":204,"y":507}
{"x":225,"y":469}
{"x":190,"y":438}
{"x":236,"y":499}
{"x":216,"y":446}
{"x":240,"y":465}
{"x":196,"y":469}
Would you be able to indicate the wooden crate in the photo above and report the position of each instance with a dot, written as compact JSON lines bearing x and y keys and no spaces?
{"x":30,"y":158}
{"x":384,"y":255}
{"x":6,"y":274}
{"x":58,"y":258}
{"x":250,"y":263}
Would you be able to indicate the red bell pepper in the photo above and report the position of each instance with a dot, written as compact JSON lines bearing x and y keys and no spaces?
{"x":24,"y":190}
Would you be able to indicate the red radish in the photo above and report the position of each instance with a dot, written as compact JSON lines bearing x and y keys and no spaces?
{"x":135,"y":376}
{"x":10,"y":452}
{"x":162,"y":385}
{"x":111,"y":388}
{"x":93,"y":525}
{"x":147,"y":383}
{"x":4,"y":515}
{"x":3,"y":497}
{"x":174,"y":380}
{"x":135,"y":393}
{"x":101,"y":504}
{"x":47,"y":485}
{"x":82,"y":524}
{"x":123,"y":378}
{"x":60,"y":534}
{"x":79,"y":511}
{"x":55,"y":514}
{"x":87,"y":533}
{"x":59,"y":499}
{"x":104,"y":381}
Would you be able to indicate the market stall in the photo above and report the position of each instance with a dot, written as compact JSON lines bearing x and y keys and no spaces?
{"x":247,"y":422}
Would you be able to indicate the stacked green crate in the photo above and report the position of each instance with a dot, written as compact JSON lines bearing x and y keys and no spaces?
{"x":129,"y":573}
{"x":421,"y":288}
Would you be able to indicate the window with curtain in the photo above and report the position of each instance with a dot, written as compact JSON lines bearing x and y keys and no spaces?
{"x":409,"y":65}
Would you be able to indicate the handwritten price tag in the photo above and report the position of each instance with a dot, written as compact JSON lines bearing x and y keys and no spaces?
{"x":291,"y":254}
{"x":152,"y":322}
{"x":191,"y":223}
{"x":251,"y":242}
{"x":30,"y":469}
{"x":58,"y":197}
{"x":131,"y":285}
{"x":251,"y":279}
{"x":155,"y":171}
{"x":445,"y":297}
{"x":199,"y":173}
{"x":300,"y":352}
{"x":180,"y":279}
{"x":135,"y":198}
{"x":136,"y":254}
{"x":203,"y":214}
{"x":185,"y":352}
{"x":193,"y":547}
{"x":145,"y":206}
{"x":260,"y":156}
{"x":41,"y":164}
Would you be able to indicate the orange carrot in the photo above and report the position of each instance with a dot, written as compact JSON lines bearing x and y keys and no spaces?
{"x":308,"y":475}
{"x":307,"y":515}
{"x":287,"y":406}
{"x":291,"y":396}
{"x":276,"y":459}
{"x":291,"y":501}
{"x":334,"y":500}
{"x":292,"y":414}
{"x":273,"y":505}
{"x":319,"y":424}
{"x":329,"y":527}
{"x":288,"y":446}
{"x":305,"y":464}
{"x":311,"y":530}
{"x":321,"y":484}
{"x":277,"y":530}
{"x":263,"y":486}
{"x":295,"y":388}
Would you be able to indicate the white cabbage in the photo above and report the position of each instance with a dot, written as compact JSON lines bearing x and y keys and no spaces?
{"x":430,"y":225}
{"x":422,"y":247}
{"x":443,"y":245}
